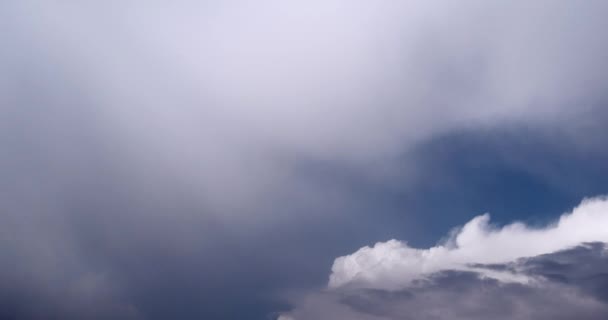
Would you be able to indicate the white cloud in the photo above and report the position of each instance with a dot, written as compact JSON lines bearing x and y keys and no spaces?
{"x":394,"y":265}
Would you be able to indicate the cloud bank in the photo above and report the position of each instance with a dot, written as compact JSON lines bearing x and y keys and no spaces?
{"x":566,"y":289}
{"x":394,"y":265}
{"x":479,"y":272}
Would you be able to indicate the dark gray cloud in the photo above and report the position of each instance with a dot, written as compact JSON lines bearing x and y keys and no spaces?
{"x":571,"y":284}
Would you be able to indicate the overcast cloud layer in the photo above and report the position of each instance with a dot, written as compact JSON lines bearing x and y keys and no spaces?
{"x":223,"y":98}
{"x":199,"y":159}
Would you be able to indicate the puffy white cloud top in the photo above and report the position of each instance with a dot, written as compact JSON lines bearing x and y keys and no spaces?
{"x":394,"y":265}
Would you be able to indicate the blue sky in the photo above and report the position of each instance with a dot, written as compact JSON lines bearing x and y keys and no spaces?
{"x":303,"y":160}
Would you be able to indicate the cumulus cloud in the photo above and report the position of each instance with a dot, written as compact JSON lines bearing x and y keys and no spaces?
{"x":395,"y":265}
{"x":458,"y":295}
{"x":570,"y":283}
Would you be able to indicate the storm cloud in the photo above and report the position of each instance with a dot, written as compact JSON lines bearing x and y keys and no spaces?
{"x":200,"y":159}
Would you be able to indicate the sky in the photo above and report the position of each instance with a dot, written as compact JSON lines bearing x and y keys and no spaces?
{"x":303,"y":160}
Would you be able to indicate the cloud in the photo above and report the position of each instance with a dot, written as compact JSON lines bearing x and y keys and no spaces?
{"x":394,"y":265}
{"x":570,"y":284}
{"x":150,"y":147}
{"x":227,"y":98}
